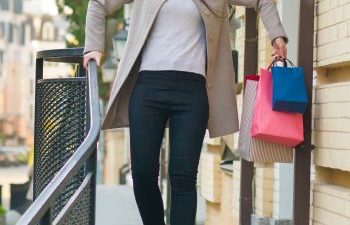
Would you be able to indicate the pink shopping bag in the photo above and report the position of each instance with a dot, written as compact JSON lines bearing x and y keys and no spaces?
{"x":273,"y":126}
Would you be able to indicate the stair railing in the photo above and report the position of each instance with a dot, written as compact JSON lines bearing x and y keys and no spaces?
{"x":84,"y":155}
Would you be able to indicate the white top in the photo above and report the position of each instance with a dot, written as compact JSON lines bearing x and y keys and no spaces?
{"x":177,"y":39}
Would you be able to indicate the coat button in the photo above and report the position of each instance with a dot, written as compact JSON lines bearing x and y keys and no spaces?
{"x":209,"y":85}
{"x":210,"y":62}
{"x":211,"y":38}
{"x":206,"y":12}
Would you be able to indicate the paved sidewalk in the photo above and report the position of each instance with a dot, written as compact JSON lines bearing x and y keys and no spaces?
{"x":116,"y":206}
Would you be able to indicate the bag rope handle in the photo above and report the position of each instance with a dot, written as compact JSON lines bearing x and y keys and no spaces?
{"x":285,"y":63}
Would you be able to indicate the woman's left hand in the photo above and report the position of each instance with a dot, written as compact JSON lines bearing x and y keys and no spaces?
{"x":279,"y":48}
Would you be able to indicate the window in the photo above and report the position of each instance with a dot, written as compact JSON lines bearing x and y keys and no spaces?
{"x":1,"y":57}
{"x":4,"y":4}
{"x":9,"y":33}
{"x":17,"y":6}
{"x":15,"y":33}
{"x":48,"y":33}
{"x":22,"y":34}
{"x":2,"y":29}
{"x":1,"y":61}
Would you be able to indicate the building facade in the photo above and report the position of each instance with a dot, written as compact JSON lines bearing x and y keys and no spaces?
{"x":331,"y":129}
{"x":273,"y":183}
{"x":22,"y":34}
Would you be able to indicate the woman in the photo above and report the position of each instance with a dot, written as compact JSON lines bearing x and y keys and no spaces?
{"x":176,"y":72}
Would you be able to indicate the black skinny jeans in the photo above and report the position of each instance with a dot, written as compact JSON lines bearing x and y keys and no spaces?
{"x":180,"y":97}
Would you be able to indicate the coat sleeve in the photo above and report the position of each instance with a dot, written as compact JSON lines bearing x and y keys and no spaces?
{"x":269,"y":16}
{"x":95,"y":22}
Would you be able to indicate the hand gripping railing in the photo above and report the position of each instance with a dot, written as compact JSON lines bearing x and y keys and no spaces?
{"x":84,"y":155}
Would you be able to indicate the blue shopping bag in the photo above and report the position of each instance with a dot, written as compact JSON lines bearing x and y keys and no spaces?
{"x":288,"y":88}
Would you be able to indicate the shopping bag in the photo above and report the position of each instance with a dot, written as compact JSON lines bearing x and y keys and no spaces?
{"x":252,"y":149}
{"x":250,"y":77}
{"x":274,"y":126}
{"x":289,"y":90}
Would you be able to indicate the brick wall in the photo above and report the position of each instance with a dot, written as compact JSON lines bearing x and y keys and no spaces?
{"x":115,"y":155}
{"x":332,"y":125}
{"x":331,"y":113}
{"x":227,"y":199}
{"x":210,"y":172}
{"x":332,"y":27}
{"x":331,"y":204}
{"x":264,"y":188}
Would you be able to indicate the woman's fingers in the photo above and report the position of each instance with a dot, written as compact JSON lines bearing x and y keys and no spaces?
{"x":276,"y":56}
{"x":94,"y":55}
{"x":85,"y":62}
{"x":98,"y":60}
{"x":285,"y":50}
{"x":282,"y":51}
{"x":279,"y":48}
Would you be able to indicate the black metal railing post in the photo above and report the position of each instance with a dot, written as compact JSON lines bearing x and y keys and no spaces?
{"x":247,"y":168}
{"x":302,"y":154}
{"x":91,"y":168}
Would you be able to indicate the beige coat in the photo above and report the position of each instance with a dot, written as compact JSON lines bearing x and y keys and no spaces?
{"x":223,"y":115}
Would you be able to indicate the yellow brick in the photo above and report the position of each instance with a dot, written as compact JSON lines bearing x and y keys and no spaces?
{"x":325,"y":19}
{"x":323,"y":6}
{"x":236,"y":191}
{"x":264,"y":183}
{"x":213,"y":143}
{"x":229,"y":141}
{"x":240,"y":11}
{"x":343,"y":30}
{"x":328,"y":218}
{"x":263,"y":209}
{"x":267,"y":172}
{"x":333,"y":140}
{"x":332,"y":125}
{"x":227,"y":199}
{"x":322,"y":200}
{"x":210,"y":176}
{"x":333,"y":190}
{"x":336,"y":177}
{"x":332,"y":22}
{"x":329,"y":75}
{"x":212,"y":213}
{"x":337,"y":159}
{"x":264,"y":194}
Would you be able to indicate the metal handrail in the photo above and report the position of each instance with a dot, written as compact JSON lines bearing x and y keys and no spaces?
{"x":46,"y":198}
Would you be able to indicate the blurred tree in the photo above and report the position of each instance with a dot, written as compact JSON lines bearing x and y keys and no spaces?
{"x":75,"y":13}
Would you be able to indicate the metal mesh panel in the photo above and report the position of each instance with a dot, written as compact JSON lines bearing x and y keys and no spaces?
{"x":60,"y":128}
{"x":81,"y":212}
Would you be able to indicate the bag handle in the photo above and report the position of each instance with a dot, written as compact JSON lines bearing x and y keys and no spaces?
{"x":285,"y":63}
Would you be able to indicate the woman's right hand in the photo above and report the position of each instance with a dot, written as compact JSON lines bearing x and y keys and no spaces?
{"x":95,"y":55}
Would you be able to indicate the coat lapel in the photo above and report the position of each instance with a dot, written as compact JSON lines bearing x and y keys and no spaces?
{"x":150,"y":10}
